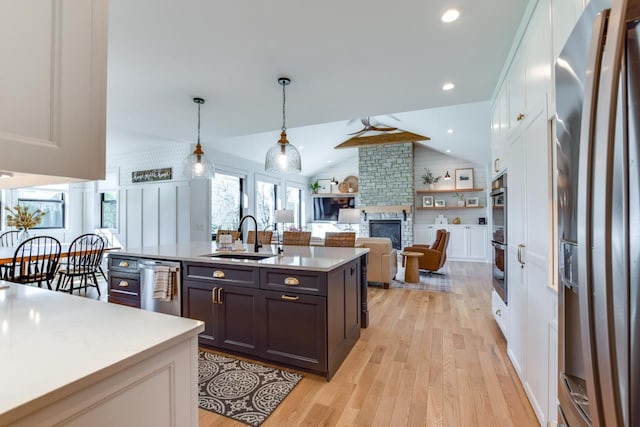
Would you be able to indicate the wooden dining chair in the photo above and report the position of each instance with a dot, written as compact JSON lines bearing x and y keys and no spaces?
{"x":82,"y":262}
{"x":296,"y":238}
{"x":346,"y":239}
{"x":35,"y":261}
{"x":264,"y":237}
{"x":9,"y":238}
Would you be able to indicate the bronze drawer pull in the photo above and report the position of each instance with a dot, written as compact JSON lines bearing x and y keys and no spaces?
{"x":288,"y":298}
{"x":520,"y":117}
{"x":123,"y":284}
{"x":218,"y":274}
{"x":213,"y":295}
{"x":291,"y":281}
{"x":219,"y":293}
{"x":123,"y":264}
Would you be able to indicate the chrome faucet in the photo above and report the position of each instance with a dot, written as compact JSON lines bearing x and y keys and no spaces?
{"x":256,"y":241}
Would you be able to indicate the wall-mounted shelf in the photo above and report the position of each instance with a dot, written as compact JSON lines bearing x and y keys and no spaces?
{"x":468,"y":190}
{"x":448,"y":207}
{"x":386,"y":209}
{"x":334,"y":194}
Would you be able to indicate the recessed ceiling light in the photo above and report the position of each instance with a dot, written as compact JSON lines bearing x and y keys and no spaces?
{"x":448,"y":86}
{"x":450,"y":15}
{"x":448,"y":151}
{"x":329,"y":161}
{"x":449,"y":130}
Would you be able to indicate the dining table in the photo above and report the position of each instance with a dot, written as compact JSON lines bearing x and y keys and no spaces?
{"x":7,"y":252}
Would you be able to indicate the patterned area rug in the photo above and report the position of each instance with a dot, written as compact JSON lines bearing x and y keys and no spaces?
{"x":244,"y":391}
{"x":440,"y":282}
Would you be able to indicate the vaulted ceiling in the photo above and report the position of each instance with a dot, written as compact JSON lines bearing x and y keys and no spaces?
{"x":346,"y":59}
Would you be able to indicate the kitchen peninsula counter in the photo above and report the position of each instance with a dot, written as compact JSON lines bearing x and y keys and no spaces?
{"x":65,"y":358}
{"x":312,"y":258}
{"x":303,"y":308}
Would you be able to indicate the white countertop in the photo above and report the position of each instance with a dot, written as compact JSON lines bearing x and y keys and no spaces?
{"x":53,"y":344}
{"x":314,"y":258}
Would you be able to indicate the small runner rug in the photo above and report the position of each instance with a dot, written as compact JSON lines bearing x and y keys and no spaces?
{"x":241,"y":390}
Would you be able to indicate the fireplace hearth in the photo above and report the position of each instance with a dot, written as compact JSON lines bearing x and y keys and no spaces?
{"x":390,"y":228}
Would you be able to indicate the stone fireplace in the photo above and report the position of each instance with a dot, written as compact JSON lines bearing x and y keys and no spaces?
{"x":386,"y":178}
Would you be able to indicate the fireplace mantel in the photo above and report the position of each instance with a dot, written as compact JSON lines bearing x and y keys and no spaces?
{"x":386,"y":209}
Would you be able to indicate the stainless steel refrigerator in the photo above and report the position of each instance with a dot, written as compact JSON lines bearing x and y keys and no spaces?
{"x":598,"y":134}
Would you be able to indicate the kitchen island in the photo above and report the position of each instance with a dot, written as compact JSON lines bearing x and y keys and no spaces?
{"x":65,"y":359}
{"x":303,"y":308}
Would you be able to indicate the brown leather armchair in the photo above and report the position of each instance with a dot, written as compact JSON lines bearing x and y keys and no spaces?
{"x":433,"y":256}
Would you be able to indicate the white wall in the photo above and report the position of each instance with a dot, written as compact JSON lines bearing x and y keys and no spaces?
{"x":178,"y":210}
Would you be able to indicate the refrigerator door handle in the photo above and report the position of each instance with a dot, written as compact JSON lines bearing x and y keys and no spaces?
{"x":602,"y":225}
{"x":585,"y":194}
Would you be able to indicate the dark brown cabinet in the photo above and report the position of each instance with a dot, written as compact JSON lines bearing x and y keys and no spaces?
{"x":237,"y":317}
{"x":295,"y":330}
{"x":124,"y":281}
{"x":304,"y":319}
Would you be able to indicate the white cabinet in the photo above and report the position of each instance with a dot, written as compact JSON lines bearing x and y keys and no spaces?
{"x":500,"y":313}
{"x":538,"y":58}
{"x":531,"y":300}
{"x":457,"y":248}
{"x":53,"y":86}
{"x":499,"y":128}
{"x":517,"y":100}
{"x":466,"y":242}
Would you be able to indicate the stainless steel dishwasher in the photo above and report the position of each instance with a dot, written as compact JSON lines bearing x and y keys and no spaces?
{"x":148,"y":269}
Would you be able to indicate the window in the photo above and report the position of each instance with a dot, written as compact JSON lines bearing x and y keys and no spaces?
{"x":294,"y":203}
{"x":52,"y":203}
{"x":226,"y":202}
{"x":266,"y":196}
{"x":109,"y":210}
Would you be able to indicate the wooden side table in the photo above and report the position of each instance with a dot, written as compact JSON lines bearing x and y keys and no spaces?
{"x":411,"y":272}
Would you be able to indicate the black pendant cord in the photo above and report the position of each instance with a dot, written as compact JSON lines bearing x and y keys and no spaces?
{"x":198,"y":124}
{"x":284,"y":100}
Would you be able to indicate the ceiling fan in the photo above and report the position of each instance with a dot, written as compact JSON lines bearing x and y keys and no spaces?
{"x":366,"y":122}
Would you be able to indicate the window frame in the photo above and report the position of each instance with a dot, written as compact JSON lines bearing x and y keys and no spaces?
{"x":242,"y":184}
{"x":61,"y":202}
{"x":111,"y":202}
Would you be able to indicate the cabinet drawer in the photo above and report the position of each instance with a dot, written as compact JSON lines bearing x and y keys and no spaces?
{"x":223,"y":273}
{"x":293,"y":281}
{"x":118,"y":263}
{"x":129,"y":302}
{"x":124,"y":284}
{"x":500,"y":313}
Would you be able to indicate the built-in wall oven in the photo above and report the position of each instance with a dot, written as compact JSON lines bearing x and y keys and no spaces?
{"x":499,"y":235}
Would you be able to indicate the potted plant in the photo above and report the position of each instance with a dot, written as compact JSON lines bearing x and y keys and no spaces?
{"x":315,"y":187}
{"x":429,"y":179}
{"x":460,"y":198}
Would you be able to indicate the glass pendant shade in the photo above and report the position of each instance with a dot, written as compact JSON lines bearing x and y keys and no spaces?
{"x":283,"y":157}
{"x":196,"y":165}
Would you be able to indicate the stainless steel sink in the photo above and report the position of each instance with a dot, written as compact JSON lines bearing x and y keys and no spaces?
{"x":252,"y":256}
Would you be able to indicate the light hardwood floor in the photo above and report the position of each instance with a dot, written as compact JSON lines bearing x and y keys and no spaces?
{"x":427,"y":359}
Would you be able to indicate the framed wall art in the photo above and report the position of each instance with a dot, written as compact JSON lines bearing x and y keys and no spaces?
{"x":472,"y":202}
{"x":464,"y":179}
{"x":439,"y":204}
{"x":427,"y":201}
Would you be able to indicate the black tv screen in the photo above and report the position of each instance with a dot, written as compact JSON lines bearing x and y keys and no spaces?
{"x":327,"y":208}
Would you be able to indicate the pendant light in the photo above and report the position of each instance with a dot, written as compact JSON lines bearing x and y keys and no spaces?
{"x":447,"y":176}
{"x":196,"y":165}
{"x":283,"y":157}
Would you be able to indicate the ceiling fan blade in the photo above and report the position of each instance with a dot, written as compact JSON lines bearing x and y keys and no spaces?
{"x":360,"y":132}
{"x":385,"y":129}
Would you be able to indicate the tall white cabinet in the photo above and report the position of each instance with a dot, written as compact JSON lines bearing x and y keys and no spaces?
{"x":53,"y":86}
{"x":522,"y":145}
